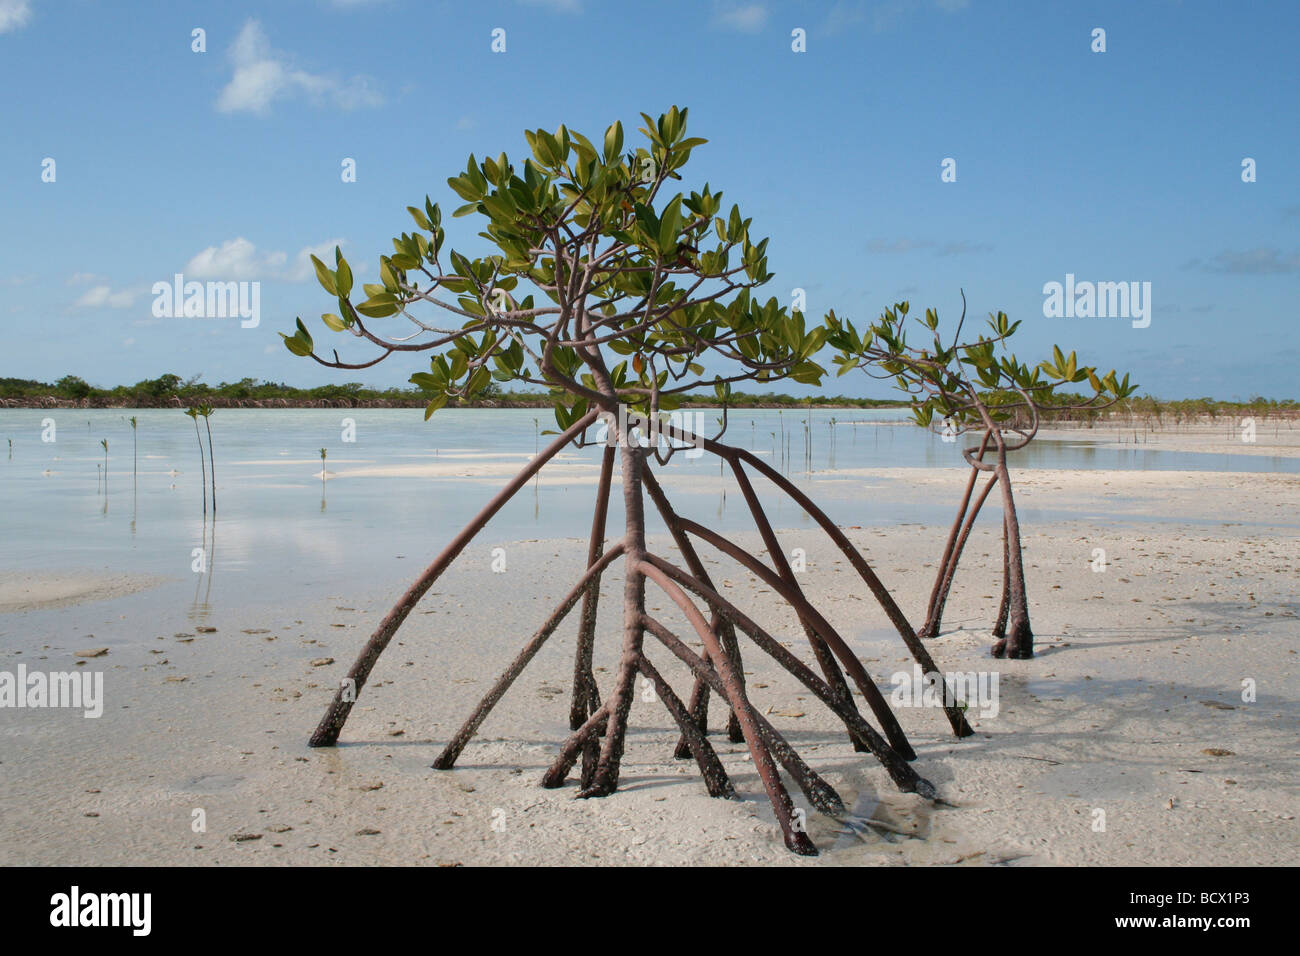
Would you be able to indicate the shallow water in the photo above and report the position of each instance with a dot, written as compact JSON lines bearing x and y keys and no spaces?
{"x":280,"y":530}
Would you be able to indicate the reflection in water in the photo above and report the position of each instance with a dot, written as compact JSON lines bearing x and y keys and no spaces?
{"x":204,"y":565}
{"x":411,"y":497}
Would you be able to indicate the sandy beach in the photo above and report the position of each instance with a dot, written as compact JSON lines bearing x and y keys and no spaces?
{"x":1131,"y":714}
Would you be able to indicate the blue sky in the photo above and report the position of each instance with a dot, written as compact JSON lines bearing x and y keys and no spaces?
{"x":1117,"y":166}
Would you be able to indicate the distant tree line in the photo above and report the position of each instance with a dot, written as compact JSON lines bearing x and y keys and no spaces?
{"x":171,"y":391}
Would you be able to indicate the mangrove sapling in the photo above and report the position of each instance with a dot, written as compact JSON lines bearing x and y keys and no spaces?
{"x":135,"y":459}
{"x":194,"y":414}
{"x":206,"y":412}
{"x":608,"y":292}
{"x":104,"y":443}
{"x":975,"y":387}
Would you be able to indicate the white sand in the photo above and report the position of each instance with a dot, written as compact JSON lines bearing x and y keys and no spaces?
{"x":1271,"y":436}
{"x":37,"y":590}
{"x":1139,"y":672}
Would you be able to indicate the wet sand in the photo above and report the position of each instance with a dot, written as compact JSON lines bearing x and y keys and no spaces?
{"x":1133,"y":707}
{"x":39,"y":590}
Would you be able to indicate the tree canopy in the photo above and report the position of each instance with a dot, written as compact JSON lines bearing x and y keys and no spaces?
{"x":593,"y":256}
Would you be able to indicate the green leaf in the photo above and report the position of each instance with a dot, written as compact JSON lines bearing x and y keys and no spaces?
{"x":433,"y":406}
{"x":294,"y":345}
{"x":465,"y":189}
{"x":459,"y":362}
{"x":344,"y":274}
{"x":670,"y":224}
{"x":420,"y":218}
{"x":325,"y":277}
{"x":379,"y":306}
{"x":613,"y":142}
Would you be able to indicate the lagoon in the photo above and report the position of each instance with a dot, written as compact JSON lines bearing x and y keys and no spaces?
{"x":397,"y":492}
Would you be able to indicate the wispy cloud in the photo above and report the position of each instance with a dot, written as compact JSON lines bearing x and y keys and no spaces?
{"x":882,"y":15}
{"x":263,"y":75}
{"x":884,"y":246}
{"x":239,"y":258}
{"x":301,"y":269}
{"x":559,"y":6}
{"x":1260,"y":261}
{"x":14,"y":15}
{"x":743,"y":18}
{"x":99,"y":296}
{"x":963,"y":248}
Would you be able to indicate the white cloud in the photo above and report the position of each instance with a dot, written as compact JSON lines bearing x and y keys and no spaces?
{"x":560,"y":6}
{"x":101,"y":296}
{"x":14,"y":14}
{"x":883,"y":14}
{"x":81,"y":278}
{"x":302,"y":269}
{"x":1264,"y":260}
{"x":238,"y":259}
{"x":263,"y":75}
{"x":962,"y":247}
{"x":233,"y":259}
{"x":897,"y":245}
{"x":745,"y":18}
{"x":18,"y":280}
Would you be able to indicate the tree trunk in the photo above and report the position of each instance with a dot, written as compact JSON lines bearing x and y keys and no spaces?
{"x":202,"y":468}
{"x":586,"y":693}
{"x":931,"y":626}
{"x":1019,"y":642}
{"x":605,"y":780}
{"x":932,"y":621}
{"x":212,"y":462}
{"x":1000,"y":625}
{"x":949,"y":572}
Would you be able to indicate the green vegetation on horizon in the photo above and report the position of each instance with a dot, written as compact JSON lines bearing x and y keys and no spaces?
{"x":170,"y":391}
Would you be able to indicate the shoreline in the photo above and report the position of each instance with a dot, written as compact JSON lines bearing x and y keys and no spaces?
{"x":1136,"y":688}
